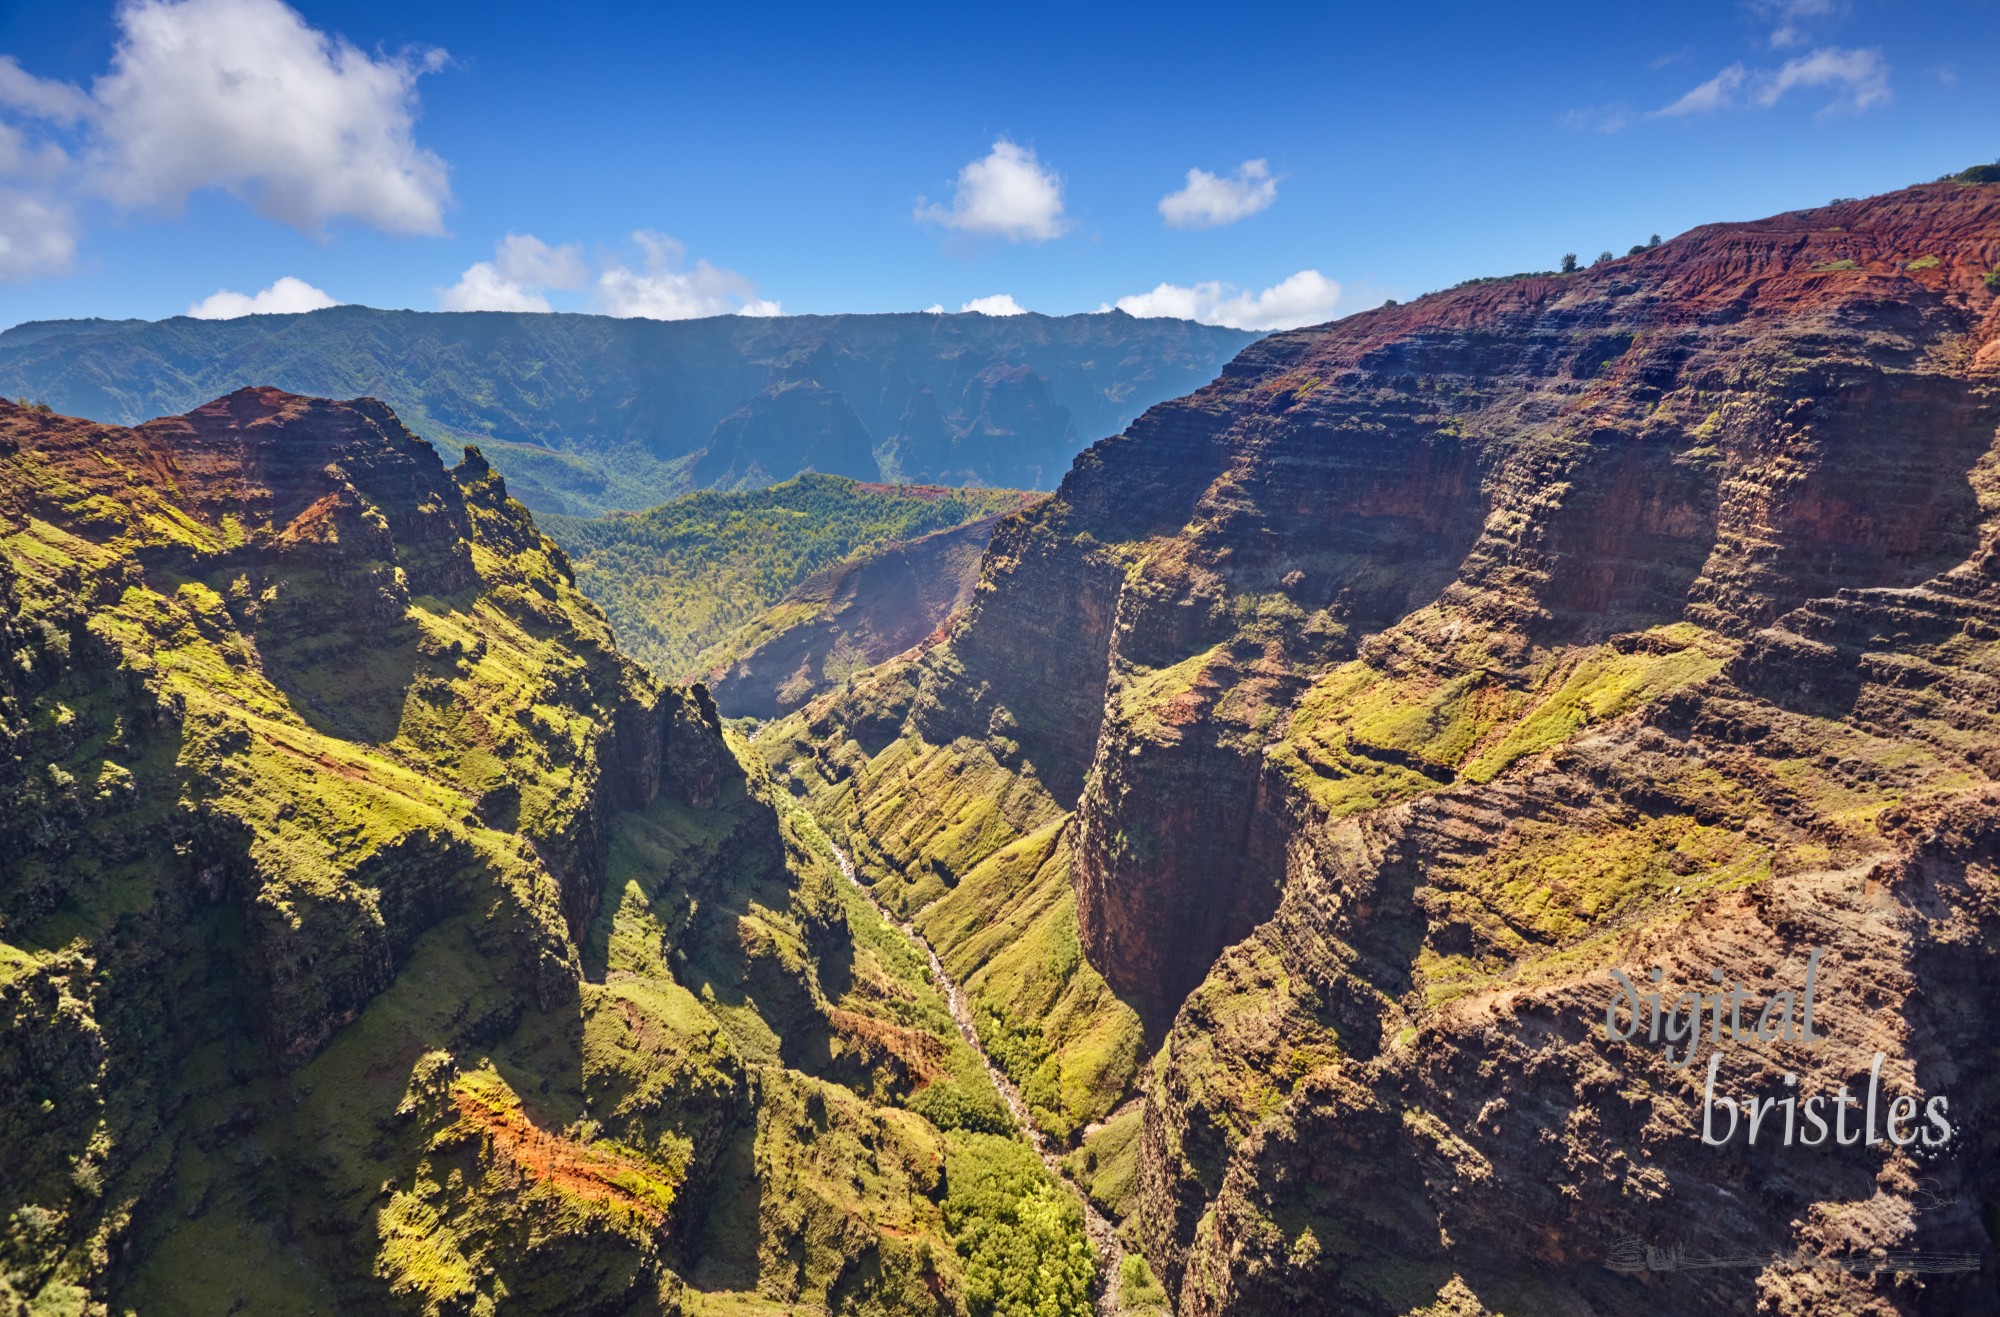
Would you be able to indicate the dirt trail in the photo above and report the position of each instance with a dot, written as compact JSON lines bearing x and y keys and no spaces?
{"x":1103,"y":1236}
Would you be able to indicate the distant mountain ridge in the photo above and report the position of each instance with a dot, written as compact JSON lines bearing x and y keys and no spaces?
{"x":585,"y":413}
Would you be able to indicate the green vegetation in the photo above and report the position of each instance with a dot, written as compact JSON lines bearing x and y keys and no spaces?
{"x":1362,"y":737}
{"x":1020,"y":1236}
{"x":1993,"y":281}
{"x":978,"y":855}
{"x":587,"y":414}
{"x":681,"y":581}
{"x":1923,"y":263}
{"x":1827,"y":267}
{"x":349,"y":886}
{"x":1106,"y":1163}
{"x":1976,"y":174}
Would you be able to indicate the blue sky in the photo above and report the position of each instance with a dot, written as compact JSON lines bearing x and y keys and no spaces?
{"x":661,"y":159}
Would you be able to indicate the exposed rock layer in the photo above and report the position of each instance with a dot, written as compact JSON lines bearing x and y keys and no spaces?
{"x":1428,"y":665}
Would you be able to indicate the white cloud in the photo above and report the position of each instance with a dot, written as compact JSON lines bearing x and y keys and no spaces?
{"x":526,"y":259}
{"x":244,"y":95}
{"x":44,"y":98}
{"x":522,"y":263}
{"x":483,"y":288}
{"x":18,"y":159}
{"x":1306,"y":298}
{"x":37,"y":236}
{"x":1859,"y":80}
{"x":1000,"y":304}
{"x":1208,"y":201}
{"x":240,"y":95}
{"x":1719,"y":92}
{"x":1859,"y":77}
{"x":934,"y":309}
{"x":284,"y":297}
{"x":1600,"y":118}
{"x":1793,"y":18}
{"x":1008,"y":193}
{"x":663,"y":290}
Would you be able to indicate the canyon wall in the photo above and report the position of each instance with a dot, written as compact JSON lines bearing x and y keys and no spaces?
{"x":1384,"y":695}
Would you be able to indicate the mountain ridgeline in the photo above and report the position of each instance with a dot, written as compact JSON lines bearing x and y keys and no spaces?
{"x":1301,"y":769}
{"x":1269,"y":808}
{"x":584,"y":414}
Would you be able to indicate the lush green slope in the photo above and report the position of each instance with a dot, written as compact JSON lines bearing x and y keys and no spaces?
{"x":584,"y":414}
{"x":375,"y":937}
{"x":682,"y":583}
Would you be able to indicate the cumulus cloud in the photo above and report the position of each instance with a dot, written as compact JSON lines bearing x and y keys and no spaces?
{"x":1858,"y":79}
{"x":934,"y":309}
{"x":1007,"y":193}
{"x":522,"y":265}
{"x":245,"y":96}
{"x":37,"y":236}
{"x":43,"y":98}
{"x":1306,"y":298}
{"x":286,"y":296}
{"x":662,"y":289}
{"x":1000,"y":304}
{"x":1208,"y":201}
{"x":238,"y":95}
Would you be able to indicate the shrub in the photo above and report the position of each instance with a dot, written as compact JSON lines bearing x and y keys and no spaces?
{"x":1993,"y":281}
{"x":1021,"y":1237}
{"x":1976,"y":174}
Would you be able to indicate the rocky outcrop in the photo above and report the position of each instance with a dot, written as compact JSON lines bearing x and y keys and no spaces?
{"x":1430,"y":665}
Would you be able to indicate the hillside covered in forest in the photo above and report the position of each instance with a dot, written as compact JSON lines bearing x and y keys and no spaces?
{"x":585,"y":413}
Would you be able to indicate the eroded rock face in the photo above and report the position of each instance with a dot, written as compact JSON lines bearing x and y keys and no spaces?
{"x":1428,"y":665}
{"x":284,"y":701}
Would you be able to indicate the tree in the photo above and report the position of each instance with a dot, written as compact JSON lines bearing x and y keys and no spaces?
{"x":1602,"y":257}
{"x":1636,"y":249}
{"x":1653,"y":241}
{"x":1569,"y":263}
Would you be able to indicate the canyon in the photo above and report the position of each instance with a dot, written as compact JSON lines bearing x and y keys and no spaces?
{"x":1196,"y":891}
{"x":374,"y":936}
{"x":1299,"y":771}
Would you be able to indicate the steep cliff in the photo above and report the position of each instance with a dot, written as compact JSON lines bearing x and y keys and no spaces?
{"x":870,"y":608}
{"x":375,"y":937}
{"x":1335,"y":730}
{"x":690,"y":585}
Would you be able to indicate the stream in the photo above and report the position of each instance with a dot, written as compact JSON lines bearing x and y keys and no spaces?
{"x":1103,"y":1236}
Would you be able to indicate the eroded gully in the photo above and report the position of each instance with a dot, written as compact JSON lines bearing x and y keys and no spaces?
{"x":1103,"y":1237}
